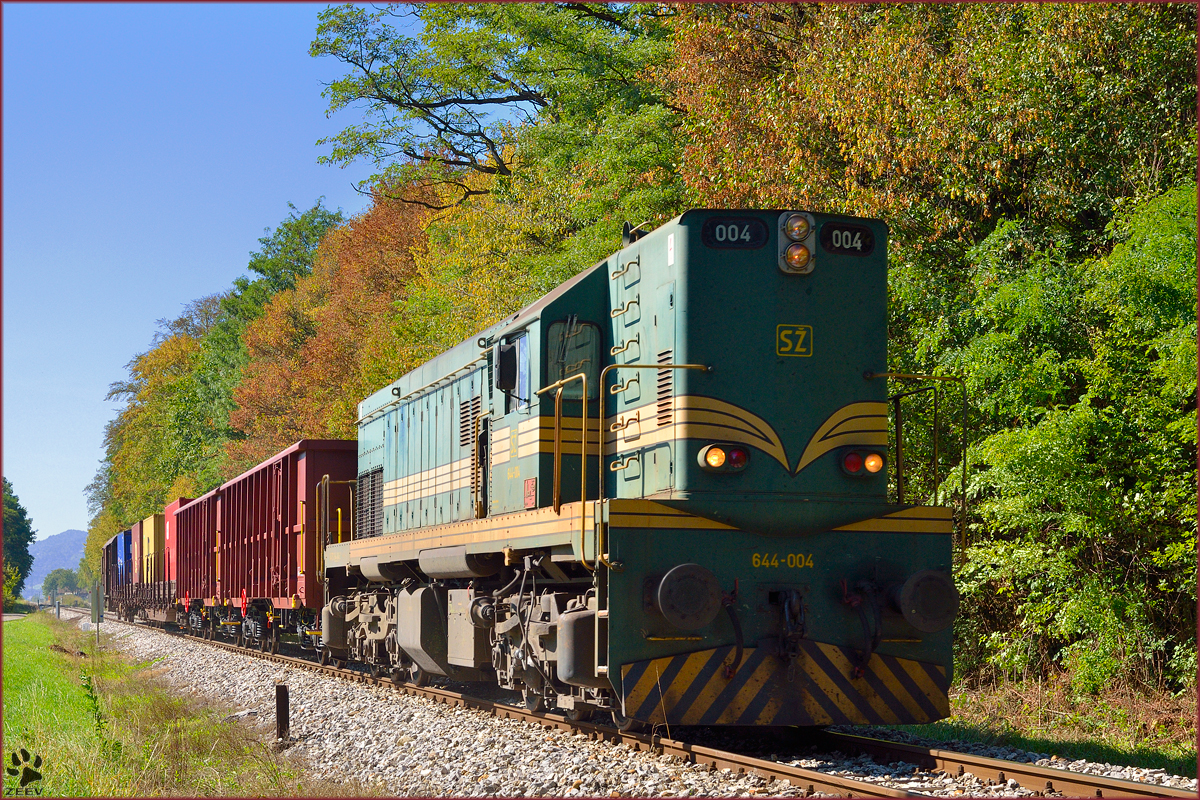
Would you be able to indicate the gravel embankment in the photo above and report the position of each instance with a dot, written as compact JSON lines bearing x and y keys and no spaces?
{"x":408,"y":746}
{"x":1159,"y":777}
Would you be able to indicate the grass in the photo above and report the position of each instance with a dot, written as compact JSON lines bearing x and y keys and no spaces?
{"x":18,"y":607}
{"x":106,"y":727}
{"x":1123,"y":726}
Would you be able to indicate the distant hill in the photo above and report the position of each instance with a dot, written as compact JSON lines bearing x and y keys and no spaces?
{"x":60,"y":551}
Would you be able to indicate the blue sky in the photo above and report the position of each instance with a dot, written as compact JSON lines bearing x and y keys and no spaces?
{"x":146,"y":149}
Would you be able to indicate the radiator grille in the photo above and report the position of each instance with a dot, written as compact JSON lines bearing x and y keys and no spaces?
{"x":666,"y":389}
{"x":370,"y":503}
{"x":468,"y":413}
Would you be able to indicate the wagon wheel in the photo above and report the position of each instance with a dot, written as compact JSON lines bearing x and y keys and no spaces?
{"x":264,"y":644}
{"x":324,"y":657}
{"x":238,"y":640}
{"x":580,"y":713}
{"x":418,"y":676}
{"x":626,"y":724}
{"x":274,"y":646}
{"x":534,"y":701}
{"x":376,"y":671}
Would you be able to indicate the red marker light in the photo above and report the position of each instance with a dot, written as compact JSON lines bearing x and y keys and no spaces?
{"x":738,"y":458}
{"x":852,"y":462}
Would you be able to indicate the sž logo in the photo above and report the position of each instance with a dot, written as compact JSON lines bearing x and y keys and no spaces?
{"x":28,"y":773}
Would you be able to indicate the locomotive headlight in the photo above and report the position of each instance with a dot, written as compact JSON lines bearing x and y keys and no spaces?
{"x":873,"y":462}
{"x":715,"y":457}
{"x":797,"y":256}
{"x":723,"y":458}
{"x":796,"y":227}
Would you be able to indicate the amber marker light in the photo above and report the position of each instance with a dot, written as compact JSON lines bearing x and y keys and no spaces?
{"x":796,"y":227}
{"x":797,"y":256}
{"x":715,"y":457}
{"x":873,"y":462}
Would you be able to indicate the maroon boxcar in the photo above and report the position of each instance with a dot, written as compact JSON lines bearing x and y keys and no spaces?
{"x":196,"y":527}
{"x":249,"y":555}
{"x":267,"y":543}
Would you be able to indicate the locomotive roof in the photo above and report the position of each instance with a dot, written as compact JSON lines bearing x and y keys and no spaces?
{"x":465,"y":352}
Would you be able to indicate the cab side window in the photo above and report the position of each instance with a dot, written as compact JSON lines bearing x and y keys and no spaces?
{"x":518,"y":398}
{"x":573,"y":347}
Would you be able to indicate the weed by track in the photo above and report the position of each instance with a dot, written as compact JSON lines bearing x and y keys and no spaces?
{"x":1123,"y":726}
{"x":108,"y":727}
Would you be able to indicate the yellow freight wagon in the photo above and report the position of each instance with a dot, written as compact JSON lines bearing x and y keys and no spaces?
{"x":154,"y":548}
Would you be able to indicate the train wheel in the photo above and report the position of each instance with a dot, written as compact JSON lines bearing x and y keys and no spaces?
{"x":533,"y":700}
{"x":418,"y":676}
{"x":274,"y":647}
{"x":324,"y":658}
{"x":264,"y":644}
{"x":626,"y":724}
{"x":580,"y":713}
{"x":376,"y":671}
{"x":238,"y":640}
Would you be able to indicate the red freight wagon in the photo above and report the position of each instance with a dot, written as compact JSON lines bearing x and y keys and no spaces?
{"x":171,"y":566}
{"x":196,"y":526}
{"x":136,"y":547}
{"x":268,"y":557}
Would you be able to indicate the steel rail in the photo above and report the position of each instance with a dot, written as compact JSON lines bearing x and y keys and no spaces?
{"x":1030,"y":776}
{"x":1041,"y":780}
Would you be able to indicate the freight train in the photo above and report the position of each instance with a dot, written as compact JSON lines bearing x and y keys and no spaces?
{"x":660,"y":491}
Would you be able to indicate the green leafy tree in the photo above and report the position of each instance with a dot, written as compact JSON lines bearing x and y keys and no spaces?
{"x":59,"y":581}
{"x":18,"y":535}
{"x":286,"y":256}
{"x":1085,"y":488}
{"x":450,"y":100}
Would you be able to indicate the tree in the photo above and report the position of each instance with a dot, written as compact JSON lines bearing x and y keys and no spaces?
{"x":18,"y":535}
{"x":323,"y":345}
{"x":481,"y":82}
{"x":59,"y":581}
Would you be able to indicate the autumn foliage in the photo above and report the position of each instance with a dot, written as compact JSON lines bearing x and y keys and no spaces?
{"x":320,"y":348}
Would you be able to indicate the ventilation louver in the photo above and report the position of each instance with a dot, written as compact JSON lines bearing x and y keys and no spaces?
{"x":370,"y":503}
{"x":666,"y":390}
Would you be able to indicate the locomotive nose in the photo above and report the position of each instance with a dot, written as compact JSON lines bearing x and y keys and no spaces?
{"x":928,"y":600}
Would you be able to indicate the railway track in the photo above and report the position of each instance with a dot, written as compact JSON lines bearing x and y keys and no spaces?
{"x":1044,"y":781}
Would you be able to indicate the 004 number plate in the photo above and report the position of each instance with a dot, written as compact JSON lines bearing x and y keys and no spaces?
{"x":734,"y":232}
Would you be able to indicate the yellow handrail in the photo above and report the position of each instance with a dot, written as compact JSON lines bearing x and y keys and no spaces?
{"x":582,"y":456}
{"x":600,"y":554}
{"x":962,"y":385}
{"x":477,"y":468}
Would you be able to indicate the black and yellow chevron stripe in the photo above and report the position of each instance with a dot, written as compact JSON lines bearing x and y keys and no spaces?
{"x":691,"y":689}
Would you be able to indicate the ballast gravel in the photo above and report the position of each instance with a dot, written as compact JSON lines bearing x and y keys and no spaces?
{"x":408,"y":746}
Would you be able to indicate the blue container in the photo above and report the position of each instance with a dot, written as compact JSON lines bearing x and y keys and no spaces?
{"x":124,"y":558}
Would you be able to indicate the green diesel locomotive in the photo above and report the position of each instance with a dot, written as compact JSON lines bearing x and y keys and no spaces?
{"x":661,"y":490}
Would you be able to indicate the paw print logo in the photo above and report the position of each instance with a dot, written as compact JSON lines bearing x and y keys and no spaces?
{"x":30,"y":773}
